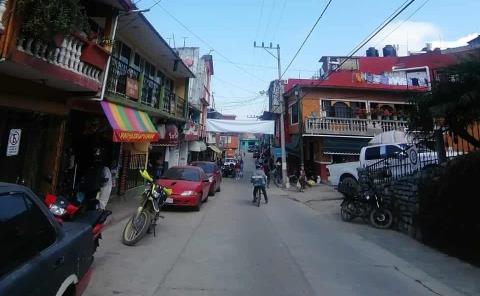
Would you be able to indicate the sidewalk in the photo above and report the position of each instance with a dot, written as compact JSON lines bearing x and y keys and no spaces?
{"x":318,"y":192}
{"x":123,"y":206}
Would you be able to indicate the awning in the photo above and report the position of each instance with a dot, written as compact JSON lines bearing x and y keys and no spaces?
{"x":197,"y":146}
{"x":215,"y":149}
{"x":129,"y":125}
{"x":343,"y":146}
{"x":240,"y":126}
{"x":293,"y":147}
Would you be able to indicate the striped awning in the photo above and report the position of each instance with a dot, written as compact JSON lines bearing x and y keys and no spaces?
{"x":129,"y":125}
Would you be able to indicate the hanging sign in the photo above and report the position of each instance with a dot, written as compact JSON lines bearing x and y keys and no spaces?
{"x":14,"y":142}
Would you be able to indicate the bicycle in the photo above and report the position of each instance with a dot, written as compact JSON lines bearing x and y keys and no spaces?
{"x":258,"y":181}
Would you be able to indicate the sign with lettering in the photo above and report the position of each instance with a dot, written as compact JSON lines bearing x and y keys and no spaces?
{"x":132,"y":88}
{"x":14,"y":142}
{"x":132,"y":136}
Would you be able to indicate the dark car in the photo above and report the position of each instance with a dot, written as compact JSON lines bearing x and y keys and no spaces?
{"x":190,"y":186}
{"x":40,"y":256}
{"x":213,"y":172}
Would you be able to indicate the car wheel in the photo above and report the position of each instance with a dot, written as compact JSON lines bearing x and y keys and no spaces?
{"x":197,"y":207}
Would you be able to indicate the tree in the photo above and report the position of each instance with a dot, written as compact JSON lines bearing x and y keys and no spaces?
{"x":453,"y":102}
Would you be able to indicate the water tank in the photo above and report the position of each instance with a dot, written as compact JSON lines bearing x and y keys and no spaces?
{"x":389,"y":51}
{"x":372,"y":52}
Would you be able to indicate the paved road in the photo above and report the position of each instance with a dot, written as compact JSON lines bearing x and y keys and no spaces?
{"x":231,"y":247}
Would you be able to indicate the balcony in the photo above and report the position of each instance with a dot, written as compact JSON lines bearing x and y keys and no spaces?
{"x":74,"y":64}
{"x":124,"y":81}
{"x":351,"y":126}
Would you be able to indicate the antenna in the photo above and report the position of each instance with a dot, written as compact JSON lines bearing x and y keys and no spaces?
{"x":184,"y":38}
{"x":173,"y":37}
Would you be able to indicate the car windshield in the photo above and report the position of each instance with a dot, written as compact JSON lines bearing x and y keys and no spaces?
{"x":185,"y":174}
{"x":207,"y":167}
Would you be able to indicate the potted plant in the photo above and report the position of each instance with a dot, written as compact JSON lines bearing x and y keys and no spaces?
{"x":51,"y":20}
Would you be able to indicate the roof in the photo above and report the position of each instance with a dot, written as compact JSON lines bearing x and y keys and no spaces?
{"x":344,"y":79}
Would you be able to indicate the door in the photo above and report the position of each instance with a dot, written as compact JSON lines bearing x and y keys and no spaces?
{"x":205,"y":185}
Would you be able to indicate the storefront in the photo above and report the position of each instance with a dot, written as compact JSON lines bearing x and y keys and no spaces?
{"x":164,"y":153}
{"x":123,"y":136}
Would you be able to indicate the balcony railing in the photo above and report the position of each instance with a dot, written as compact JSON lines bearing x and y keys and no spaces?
{"x":119,"y":75}
{"x":180,"y":104}
{"x":66,"y":56}
{"x":351,"y":126}
{"x":151,"y":93}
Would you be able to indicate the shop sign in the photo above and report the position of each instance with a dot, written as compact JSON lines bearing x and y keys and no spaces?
{"x":132,"y":136}
{"x":190,"y":131}
{"x":132,"y":88}
{"x":168,"y":134}
{"x":14,"y":142}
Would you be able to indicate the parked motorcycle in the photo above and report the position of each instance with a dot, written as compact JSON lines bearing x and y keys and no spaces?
{"x":69,"y":209}
{"x":367,"y":204}
{"x":228,"y":171}
{"x":147,"y":214}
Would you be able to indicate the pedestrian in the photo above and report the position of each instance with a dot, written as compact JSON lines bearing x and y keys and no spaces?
{"x":237,"y":170}
{"x":302,"y":178}
{"x":241,"y":168}
{"x":266,"y":169}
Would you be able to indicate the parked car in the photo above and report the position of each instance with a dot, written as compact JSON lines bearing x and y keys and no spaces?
{"x":229,"y":161}
{"x":213,"y":172}
{"x":40,"y":256}
{"x":399,"y":163}
{"x":190,"y":186}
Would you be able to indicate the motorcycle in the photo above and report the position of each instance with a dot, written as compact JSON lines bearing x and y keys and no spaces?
{"x":228,"y":171}
{"x":367,"y":204}
{"x":147,"y":214}
{"x":69,"y":209}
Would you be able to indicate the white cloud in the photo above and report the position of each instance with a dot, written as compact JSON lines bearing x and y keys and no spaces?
{"x":413,"y":36}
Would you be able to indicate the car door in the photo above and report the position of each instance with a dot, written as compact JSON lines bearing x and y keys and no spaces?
{"x":217,"y":175}
{"x":205,"y":184}
{"x":30,"y":233}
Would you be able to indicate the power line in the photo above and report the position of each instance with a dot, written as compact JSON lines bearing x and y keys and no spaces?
{"x":265,"y":67}
{"x":306,"y":38}
{"x":259,"y":19}
{"x":405,"y":20}
{"x":269,"y":19}
{"x":209,"y":45}
{"x":279,"y":19}
{"x":234,"y":85}
{"x":369,"y":36}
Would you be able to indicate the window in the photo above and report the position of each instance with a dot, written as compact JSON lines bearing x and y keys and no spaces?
{"x":182,"y":174}
{"x":125,"y":54}
{"x":28,"y":230}
{"x":149,"y":69}
{"x":392,"y":151}
{"x":207,"y":167}
{"x":294,"y":114}
{"x":137,"y":61}
{"x":372,"y":153}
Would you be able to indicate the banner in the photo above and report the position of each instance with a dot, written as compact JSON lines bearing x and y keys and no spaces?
{"x":240,"y":126}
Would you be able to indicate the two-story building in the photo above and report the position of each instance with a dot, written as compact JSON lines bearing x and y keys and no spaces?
{"x":56,"y":110}
{"x":328,"y":120}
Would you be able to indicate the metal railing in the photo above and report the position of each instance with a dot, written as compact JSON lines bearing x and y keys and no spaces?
{"x":150,"y":93}
{"x":66,"y":56}
{"x":117,"y":77}
{"x":351,"y":126}
{"x":180,"y":107}
{"x":136,"y":163}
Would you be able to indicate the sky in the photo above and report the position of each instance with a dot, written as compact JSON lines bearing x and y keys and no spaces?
{"x":227,"y":29}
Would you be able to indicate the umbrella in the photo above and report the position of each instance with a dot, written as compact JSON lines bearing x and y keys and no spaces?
{"x":391,"y":137}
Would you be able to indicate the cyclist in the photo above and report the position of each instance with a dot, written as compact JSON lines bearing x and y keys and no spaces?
{"x":259,"y":180}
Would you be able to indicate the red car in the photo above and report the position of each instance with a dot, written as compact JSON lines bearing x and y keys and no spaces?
{"x":190,"y":186}
{"x":213,"y":172}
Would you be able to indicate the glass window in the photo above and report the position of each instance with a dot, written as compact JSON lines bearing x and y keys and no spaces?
{"x":27,"y":228}
{"x":182,"y":174}
{"x":372,"y":153}
{"x":125,"y":54}
{"x":207,"y":167}
{"x":294,"y":114}
{"x":136,"y":60}
{"x":392,"y":150}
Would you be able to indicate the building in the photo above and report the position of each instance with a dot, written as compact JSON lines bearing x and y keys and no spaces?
{"x":330,"y":119}
{"x":55,"y":103}
{"x":199,"y":99}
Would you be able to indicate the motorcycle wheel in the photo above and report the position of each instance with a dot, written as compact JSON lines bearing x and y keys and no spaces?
{"x":131,"y":234}
{"x":381,"y":218}
{"x":344,"y":212}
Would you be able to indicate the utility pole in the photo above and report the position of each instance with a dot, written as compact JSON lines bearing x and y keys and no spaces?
{"x":280,"y":100}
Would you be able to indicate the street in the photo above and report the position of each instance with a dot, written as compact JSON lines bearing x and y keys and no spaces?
{"x":231,"y":247}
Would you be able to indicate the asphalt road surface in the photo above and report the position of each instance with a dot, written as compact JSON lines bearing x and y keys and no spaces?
{"x":231,"y":247}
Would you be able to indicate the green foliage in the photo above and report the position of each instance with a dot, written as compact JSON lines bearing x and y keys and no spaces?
{"x":44,"y":19}
{"x":454,"y":100}
{"x":449,"y":207}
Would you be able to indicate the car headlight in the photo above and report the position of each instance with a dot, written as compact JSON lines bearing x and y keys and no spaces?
{"x":187,"y":193}
{"x":210,"y":179}
{"x":57,"y":211}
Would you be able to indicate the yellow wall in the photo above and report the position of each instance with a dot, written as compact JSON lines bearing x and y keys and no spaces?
{"x":180,"y":87}
{"x":310,"y":104}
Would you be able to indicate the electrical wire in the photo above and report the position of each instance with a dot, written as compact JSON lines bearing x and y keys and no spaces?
{"x":405,"y":20}
{"x":306,"y":38}
{"x":209,"y":45}
{"x":279,"y":19}
{"x":259,"y":19}
{"x":234,"y":85}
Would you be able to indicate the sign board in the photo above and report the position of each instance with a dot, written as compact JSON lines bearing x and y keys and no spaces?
{"x":413,"y":157}
{"x":14,"y":142}
{"x":168,"y":134}
{"x":132,"y":88}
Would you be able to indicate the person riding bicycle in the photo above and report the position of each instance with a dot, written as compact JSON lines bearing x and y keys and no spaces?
{"x":259,"y":180}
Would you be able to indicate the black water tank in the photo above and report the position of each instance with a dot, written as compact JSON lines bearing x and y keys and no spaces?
{"x":372,"y":52}
{"x":389,"y":51}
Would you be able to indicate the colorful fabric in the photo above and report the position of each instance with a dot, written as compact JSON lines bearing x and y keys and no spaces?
{"x":129,"y":125}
